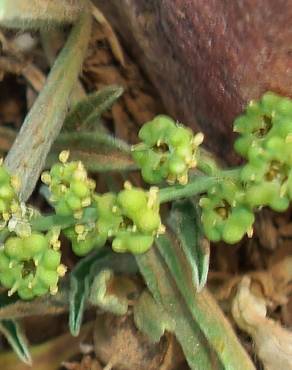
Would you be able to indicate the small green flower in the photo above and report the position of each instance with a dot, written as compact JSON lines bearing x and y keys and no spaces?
{"x":30,"y":265}
{"x":9,"y":204}
{"x":71,"y":189}
{"x":167,"y":152}
{"x":225,"y":215}
{"x":141,"y":221}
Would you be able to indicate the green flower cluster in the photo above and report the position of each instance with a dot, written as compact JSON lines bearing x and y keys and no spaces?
{"x":266,"y":142}
{"x":8,"y":197}
{"x":31,"y":265}
{"x":130,"y":219}
{"x":167,"y":152}
{"x":85,"y":237}
{"x":140,"y":220}
{"x":225,"y":214}
{"x":71,"y":190}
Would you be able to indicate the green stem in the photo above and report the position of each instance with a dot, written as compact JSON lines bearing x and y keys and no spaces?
{"x":44,"y":223}
{"x":42,"y":125}
{"x":197,"y":186}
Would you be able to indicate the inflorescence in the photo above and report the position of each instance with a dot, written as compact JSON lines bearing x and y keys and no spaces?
{"x":30,"y":261}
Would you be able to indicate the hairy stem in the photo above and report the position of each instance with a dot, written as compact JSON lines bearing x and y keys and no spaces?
{"x":197,"y":186}
{"x":28,"y":154}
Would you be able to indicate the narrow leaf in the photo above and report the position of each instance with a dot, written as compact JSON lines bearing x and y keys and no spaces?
{"x":186,"y":223}
{"x":88,"y":111}
{"x":28,"y":154}
{"x":198,"y":353}
{"x":99,"y":162}
{"x":203,"y":308}
{"x":16,"y":338}
{"x":79,"y":289}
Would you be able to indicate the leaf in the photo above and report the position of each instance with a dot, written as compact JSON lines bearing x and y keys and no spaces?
{"x":83,"y":275}
{"x":88,"y":111}
{"x":16,"y":338}
{"x":98,"y":151}
{"x":27,"y":156}
{"x":99,"y":162}
{"x":111,"y":292}
{"x":79,"y":289}
{"x":146,"y":312}
{"x":198,"y":353}
{"x":185,"y":222}
{"x":203,"y":308}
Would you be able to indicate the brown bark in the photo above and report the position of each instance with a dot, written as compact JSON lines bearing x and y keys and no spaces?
{"x":207,"y":58}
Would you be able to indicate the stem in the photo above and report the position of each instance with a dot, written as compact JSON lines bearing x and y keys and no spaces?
{"x":199,"y":185}
{"x":28,"y":154}
{"x":44,"y":223}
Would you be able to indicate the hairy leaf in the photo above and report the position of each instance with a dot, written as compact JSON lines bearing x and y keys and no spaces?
{"x":16,"y":338}
{"x":86,"y":113}
{"x":185,"y":222}
{"x":28,"y":154}
{"x":198,"y":353}
{"x":203,"y":308}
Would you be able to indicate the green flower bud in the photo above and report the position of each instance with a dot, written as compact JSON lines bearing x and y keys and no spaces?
{"x":35,"y":244}
{"x":132,"y":200}
{"x":13,"y":247}
{"x":51,"y":259}
{"x":134,"y":243}
{"x":80,"y":189}
{"x":148,"y":221}
{"x":48,"y":277}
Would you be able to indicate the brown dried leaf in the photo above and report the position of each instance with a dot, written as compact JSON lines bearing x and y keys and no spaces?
{"x":273,"y":343}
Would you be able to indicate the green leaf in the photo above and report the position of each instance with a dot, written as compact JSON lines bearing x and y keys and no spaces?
{"x":98,"y":151}
{"x":16,"y":338}
{"x":203,"y":308}
{"x":199,"y":354}
{"x":88,"y":111}
{"x":83,"y":275}
{"x":185,"y":221}
{"x":146,"y":314}
{"x":79,"y":289}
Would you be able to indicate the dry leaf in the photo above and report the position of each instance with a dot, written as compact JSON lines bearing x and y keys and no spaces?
{"x":273,"y":344}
